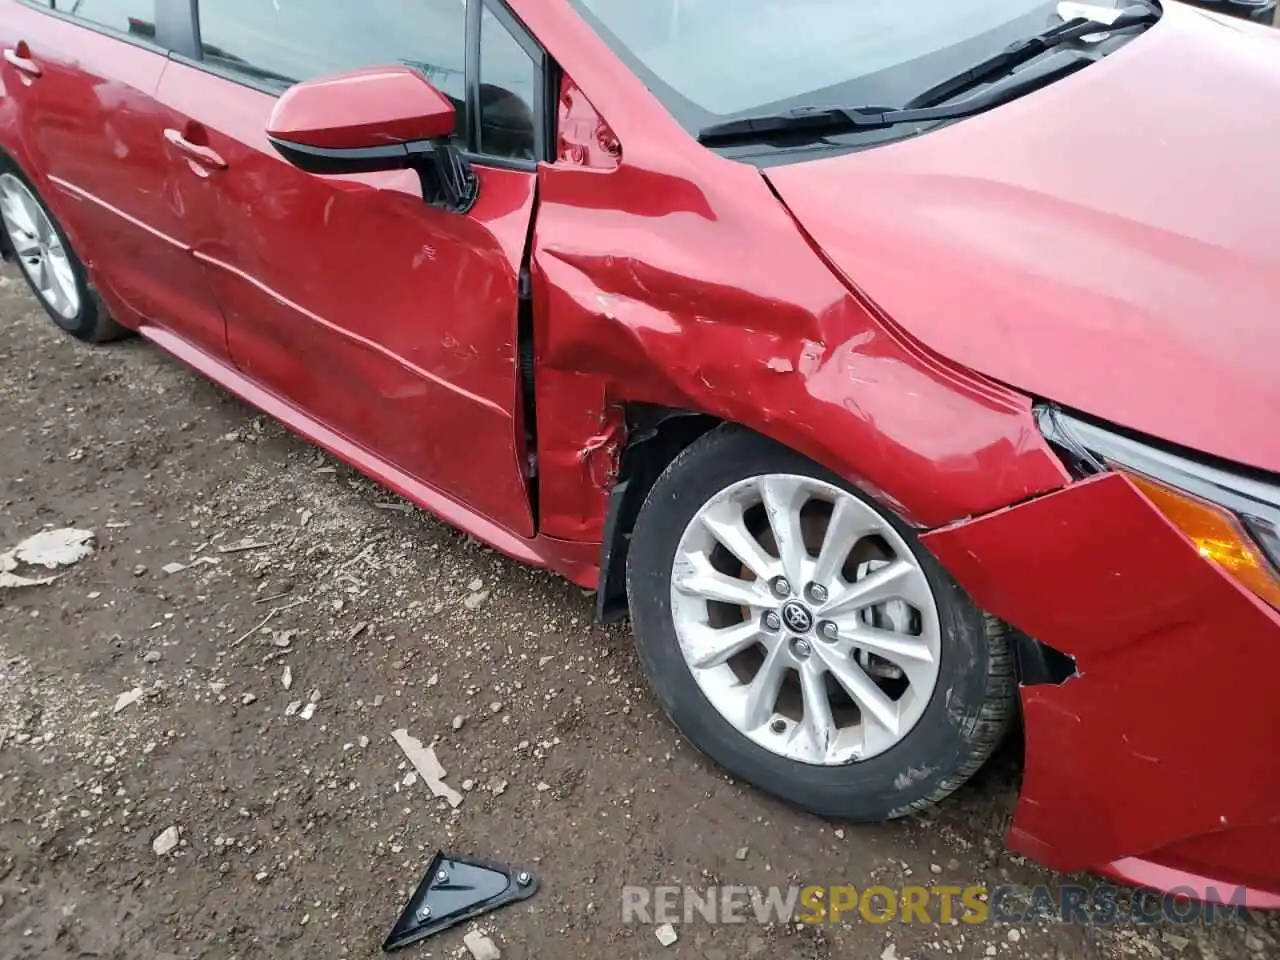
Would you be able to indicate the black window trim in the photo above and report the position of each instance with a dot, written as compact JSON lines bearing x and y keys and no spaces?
{"x":184,"y":25}
{"x":158,"y":46}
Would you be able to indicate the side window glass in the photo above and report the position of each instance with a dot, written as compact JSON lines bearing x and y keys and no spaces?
{"x":508,"y":87}
{"x":282,"y":42}
{"x":137,"y":17}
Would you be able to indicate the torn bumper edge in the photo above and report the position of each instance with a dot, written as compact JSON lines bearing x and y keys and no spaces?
{"x":1154,"y":764}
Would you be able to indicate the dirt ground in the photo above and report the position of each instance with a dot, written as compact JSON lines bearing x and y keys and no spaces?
{"x":305,"y":837}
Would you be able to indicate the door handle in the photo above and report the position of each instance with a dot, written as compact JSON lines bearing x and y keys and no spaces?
{"x":206,"y":156}
{"x":19,"y":60}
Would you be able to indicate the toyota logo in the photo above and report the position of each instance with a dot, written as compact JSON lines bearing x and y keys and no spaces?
{"x":797,"y":617}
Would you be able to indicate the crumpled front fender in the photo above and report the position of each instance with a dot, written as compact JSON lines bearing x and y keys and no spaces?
{"x":1156,"y":761}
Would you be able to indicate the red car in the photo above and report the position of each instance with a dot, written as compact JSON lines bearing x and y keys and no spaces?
{"x":899,"y":368}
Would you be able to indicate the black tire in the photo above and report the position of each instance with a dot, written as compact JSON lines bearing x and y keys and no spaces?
{"x":974,"y":700}
{"x":92,"y":323}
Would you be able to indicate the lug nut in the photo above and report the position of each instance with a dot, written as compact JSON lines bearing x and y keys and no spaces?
{"x":772,"y":621}
{"x":829,"y":630}
{"x":778,"y":726}
{"x":781,"y":587}
{"x":801,"y":648}
{"x":442,"y":876}
{"x":817,"y":593}
{"x":523,"y":878}
{"x":424,"y":912}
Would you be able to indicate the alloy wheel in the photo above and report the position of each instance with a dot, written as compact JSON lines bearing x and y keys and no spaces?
{"x":805,"y":619}
{"x":38,"y":247}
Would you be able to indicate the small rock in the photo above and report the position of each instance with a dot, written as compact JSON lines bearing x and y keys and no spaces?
{"x":1253,"y":943}
{"x":217,"y":688}
{"x":166,"y":842}
{"x":476,"y":600}
{"x":543,"y":786}
{"x":293,"y":707}
{"x":458,"y":721}
{"x":742,"y":853}
{"x":498,"y":787}
{"x":476,"y":585}
{"x":364,"y":742}
{"x":282,"y":638}
{"x":889,"y":953}
{"x":468,"y":785}
{"x":127,"y":699}
{"x":247,"y":699}
{"x":666,"y":934}
{"x":172,"y":568}
{"x":308,"y":711}
{"x":140,"y":570}
{"x":935,"y":869}
{"x":990,"y":951}
{"x":286,"y":678}
{"x":480,"y":946}
{"x":151,"y":656}
{"x":1014,"y":935}
{"x":495,"y":707}
{"x":1181,"y":943}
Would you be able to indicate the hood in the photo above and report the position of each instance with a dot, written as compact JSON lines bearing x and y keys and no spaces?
{"x":1110,"y":242}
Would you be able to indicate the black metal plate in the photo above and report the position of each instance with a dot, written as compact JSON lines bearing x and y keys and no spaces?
{"x":455,"y":890}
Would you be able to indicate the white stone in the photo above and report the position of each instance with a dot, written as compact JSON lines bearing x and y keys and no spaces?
{"x":166,"y":842}
{"x":480,"y":946}
{"x":127,"y":699}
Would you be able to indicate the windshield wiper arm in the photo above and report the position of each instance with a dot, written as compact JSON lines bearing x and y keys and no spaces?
{"x":1025,"y":50}
{"x":814,"y":123}
{"x":820,"y":121}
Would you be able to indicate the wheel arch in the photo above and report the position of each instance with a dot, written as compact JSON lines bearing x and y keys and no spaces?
{"x":655,"y":436}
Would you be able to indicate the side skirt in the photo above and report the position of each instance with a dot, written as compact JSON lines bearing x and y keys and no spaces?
{"x":578,"y":562}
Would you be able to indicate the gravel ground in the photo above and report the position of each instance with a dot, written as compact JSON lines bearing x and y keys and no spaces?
{"x":304,"y":837}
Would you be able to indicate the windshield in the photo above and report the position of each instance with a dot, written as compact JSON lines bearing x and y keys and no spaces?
{"x":708,"y":59}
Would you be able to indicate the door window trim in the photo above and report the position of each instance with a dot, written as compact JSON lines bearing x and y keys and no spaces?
{"x":165,"y":32}
{"x":185,"y":27}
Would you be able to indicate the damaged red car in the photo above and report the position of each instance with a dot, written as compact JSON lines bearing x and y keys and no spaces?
{"x":900,"y":369}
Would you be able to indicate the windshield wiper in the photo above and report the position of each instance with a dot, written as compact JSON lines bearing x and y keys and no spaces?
{"x":1026,"y":50}
{"x":930,"y":106}
{"x":814,"y":123}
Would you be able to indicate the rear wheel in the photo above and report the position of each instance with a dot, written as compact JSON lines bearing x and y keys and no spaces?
{"x":800,"y":635}
{"x":52,"y":269}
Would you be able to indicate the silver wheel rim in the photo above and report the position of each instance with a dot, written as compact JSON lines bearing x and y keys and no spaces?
{"x":38,"y":247}
{"x":805,"y":619}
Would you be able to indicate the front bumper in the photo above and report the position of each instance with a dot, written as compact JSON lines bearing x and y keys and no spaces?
{"x":1150,"y":764}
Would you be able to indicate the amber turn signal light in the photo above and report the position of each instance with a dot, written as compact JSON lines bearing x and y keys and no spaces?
{"x":1217,"y":534}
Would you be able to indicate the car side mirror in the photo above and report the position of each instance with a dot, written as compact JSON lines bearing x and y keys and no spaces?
{"x":379,"y":118}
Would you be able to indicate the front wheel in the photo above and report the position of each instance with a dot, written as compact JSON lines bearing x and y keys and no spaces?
{"x":801,"y":635}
